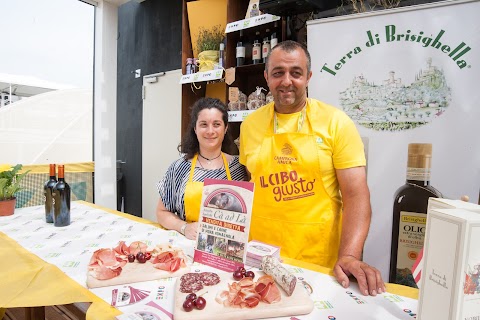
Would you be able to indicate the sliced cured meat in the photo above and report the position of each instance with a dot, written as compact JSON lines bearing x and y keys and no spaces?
{"x":122,"y":249}
{"x":137,"y":246}
{"x":191,"y":287}
{"x":193,"y":282}
{"x":247,"y":293}
{"x":105,"y":264}
{"x":282,"y":276}
{"x":209,"y":278}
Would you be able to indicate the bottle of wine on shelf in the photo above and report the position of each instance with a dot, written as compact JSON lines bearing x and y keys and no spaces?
{"x":61,"y":198}
{"x":240,"y":50}
{"x":48,"y":187}
{"x":257,"y":49}
{"x":410,"y":214}
{"x":221,"y":57}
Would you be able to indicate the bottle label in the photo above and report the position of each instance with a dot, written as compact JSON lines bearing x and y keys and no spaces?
{"x":256,"y":54}
{"x":411,"y":235}
{"x":418,"y":174}
{"x":273,"y":43}
{"x":265,"y":50}
{"x":240,"y":52}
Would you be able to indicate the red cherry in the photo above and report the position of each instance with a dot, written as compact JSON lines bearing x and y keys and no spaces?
{"x":200,"y":303}
{"x":131,"y":258}
{"x":147,"y":255}
{"x":188,"y":305}
{"x":250,"y":274}
{"x":191,"y":296}
{"x":242,"y":270}
{"x":238,"y":275}
{"x":141,"y":257}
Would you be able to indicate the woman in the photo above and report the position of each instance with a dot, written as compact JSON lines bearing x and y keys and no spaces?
{"x":204,"y":156}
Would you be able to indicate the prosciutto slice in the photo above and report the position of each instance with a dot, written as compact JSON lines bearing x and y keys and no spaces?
{"x":169,"y":260}
{"x":122,"y":249}
{"x":247,"y":293}
{"x":136,"y":247}
{"x":105,"y":264}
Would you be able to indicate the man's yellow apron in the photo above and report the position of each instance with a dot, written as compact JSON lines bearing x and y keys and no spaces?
{"x":193,"y":191}
{"x":291,"y":206}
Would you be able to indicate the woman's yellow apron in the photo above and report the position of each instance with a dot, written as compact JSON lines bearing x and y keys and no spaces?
{"x":193,"y":191}
{"x":291,"y":206}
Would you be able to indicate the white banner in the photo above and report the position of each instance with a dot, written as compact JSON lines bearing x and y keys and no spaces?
{"x":405,"y":75}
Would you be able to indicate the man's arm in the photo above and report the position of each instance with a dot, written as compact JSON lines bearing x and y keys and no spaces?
{"x":356,"y":222}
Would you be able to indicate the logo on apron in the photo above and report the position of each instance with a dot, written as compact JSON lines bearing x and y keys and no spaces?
{"x":286,"y":185}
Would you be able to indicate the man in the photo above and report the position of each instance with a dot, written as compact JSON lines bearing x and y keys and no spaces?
{"x":307,"y":161}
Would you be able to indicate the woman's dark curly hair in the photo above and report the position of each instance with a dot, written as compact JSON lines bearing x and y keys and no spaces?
{"x":189,"y":145}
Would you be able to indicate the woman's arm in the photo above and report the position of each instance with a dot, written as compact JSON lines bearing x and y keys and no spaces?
{"x":171,"y":221}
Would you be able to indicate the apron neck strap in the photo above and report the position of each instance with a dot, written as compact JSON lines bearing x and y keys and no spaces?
{"x":192,"y":167}
{"x":225,"y":165}
{"x":300,"y":122}
{"x":194,"y":163}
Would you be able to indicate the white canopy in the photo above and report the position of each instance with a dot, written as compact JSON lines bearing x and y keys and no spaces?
{"x":52,"y":127}
{"x":27,"y":86}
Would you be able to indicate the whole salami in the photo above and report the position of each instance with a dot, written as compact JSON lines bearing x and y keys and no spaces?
{"x":282,"y":276}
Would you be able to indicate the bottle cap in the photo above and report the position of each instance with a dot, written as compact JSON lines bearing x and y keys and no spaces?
{"x":239,"y":44}
{"x":419,"y":155}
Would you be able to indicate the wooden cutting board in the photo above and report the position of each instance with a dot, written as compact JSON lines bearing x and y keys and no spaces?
{"x":135,"y":272}
{"x":297,"y":304}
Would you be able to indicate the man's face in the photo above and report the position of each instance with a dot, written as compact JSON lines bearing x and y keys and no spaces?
{"x":287,"y":78}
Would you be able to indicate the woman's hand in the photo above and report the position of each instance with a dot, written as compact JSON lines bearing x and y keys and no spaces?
{"x":191,"y":231}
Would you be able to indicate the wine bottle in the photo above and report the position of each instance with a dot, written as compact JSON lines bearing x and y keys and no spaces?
{"x":265,"y":49}
{"x":410,"y":214}
{"x":221,"y":57}
{"x":240,"y":51}
{"x":256,"y":49}
{"x":273,"y":37}
{"x":61,"y":200}
{"x":48,"y":187}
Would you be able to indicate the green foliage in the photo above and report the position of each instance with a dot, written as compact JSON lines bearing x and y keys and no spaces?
{"x":209,"y":39}
{"x":10,"y":181}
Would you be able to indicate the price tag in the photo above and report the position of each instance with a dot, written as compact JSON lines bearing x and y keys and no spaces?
{"x":233,"y":94}
{"x":230,"y":76}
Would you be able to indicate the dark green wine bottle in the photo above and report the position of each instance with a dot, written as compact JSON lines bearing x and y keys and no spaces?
{"x":61,"y":197}
{"x":48,"y":190}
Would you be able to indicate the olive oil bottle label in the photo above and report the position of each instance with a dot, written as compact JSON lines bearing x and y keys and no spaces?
{"x":411,"y":235}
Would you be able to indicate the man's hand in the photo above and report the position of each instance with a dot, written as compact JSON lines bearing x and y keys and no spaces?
{"x":369,"y":279}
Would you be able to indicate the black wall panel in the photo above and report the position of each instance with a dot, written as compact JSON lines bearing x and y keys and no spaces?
{"x":150,"y":39}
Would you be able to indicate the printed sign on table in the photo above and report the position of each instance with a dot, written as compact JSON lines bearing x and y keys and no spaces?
{"x":224,"y":224}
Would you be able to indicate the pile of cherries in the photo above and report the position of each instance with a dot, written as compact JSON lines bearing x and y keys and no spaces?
{"x":192,"y":301}
{"x":241,"y":273}
{"x":141,"y":257}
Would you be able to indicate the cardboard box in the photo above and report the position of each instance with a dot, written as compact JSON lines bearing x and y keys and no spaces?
{"x":441,"y":203}
{"x":450,"y":288}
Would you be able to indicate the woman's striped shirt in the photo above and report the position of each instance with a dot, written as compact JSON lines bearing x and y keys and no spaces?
{"x":172,"y":186}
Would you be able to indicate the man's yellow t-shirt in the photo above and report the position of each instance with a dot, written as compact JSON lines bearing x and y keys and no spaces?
{"x":338,"y":143}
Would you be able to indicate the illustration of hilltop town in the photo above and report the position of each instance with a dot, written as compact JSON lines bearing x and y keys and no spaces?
{"x":394,"y":106}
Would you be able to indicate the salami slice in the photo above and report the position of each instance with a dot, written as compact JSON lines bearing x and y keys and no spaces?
{"x":209,"y":278}
{"x":193,"y":282}
{"x":282,"y":276}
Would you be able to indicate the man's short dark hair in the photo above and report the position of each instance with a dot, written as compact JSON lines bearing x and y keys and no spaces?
{"x":289,"y":46}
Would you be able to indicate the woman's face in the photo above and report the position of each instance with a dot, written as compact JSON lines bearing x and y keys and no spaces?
{"x":210,"y":129}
